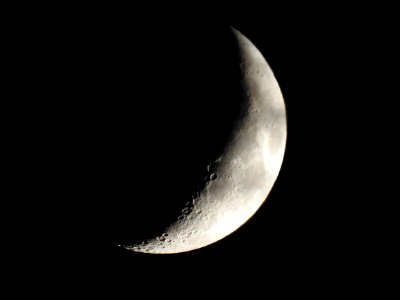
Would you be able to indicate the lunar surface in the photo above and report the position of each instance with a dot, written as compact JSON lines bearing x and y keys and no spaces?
{"x":242,"y":176}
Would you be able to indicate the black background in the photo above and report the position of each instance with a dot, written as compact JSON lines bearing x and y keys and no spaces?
{"x":130,"y":106}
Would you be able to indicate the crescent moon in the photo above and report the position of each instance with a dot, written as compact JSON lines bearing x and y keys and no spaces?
{"x":246,"y":170}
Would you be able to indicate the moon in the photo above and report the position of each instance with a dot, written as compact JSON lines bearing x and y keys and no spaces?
{"x":242,"y":176}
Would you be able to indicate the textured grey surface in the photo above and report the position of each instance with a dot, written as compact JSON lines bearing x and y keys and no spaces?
{"x":243,"y":175}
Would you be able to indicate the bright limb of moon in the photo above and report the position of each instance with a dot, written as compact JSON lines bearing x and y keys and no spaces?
{"x":245,"y":171}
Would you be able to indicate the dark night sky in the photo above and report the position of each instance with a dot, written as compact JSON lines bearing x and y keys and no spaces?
{"x":138,"y":104}
{"x":165,"y":110}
